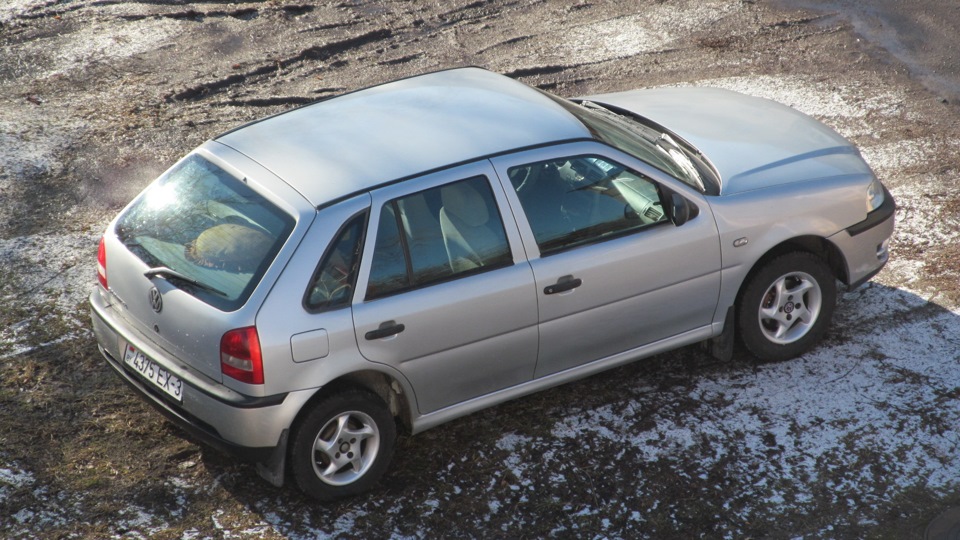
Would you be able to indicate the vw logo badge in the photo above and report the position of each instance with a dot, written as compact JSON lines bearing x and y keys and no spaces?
{"x":156,"y":301}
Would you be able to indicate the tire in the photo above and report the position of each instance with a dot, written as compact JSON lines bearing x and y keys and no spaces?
{"x":343,"y":445}
{"x":785,"y":308}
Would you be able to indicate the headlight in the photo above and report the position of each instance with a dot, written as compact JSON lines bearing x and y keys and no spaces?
{"x":874,"y":195}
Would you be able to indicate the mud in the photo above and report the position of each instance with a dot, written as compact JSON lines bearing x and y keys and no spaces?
{"x":857,"y":439}
{"x":920,"y":34}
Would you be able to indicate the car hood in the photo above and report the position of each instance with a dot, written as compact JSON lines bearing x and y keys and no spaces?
{"x":752,"y":142}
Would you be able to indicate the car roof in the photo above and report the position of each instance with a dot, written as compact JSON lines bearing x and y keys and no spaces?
{"x":357,"y":141}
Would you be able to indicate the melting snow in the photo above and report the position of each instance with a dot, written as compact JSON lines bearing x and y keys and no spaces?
{"x":28,"y":148}
{"x":875,"y":388}
{"x":649,"y":31}
{"x":66,"y":52}
{"x":11,"y":8}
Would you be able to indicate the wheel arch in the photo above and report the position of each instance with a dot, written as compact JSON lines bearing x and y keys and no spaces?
{"x":387,"y":388}
{"x":816,"y":245}
{"x":821,"y":247}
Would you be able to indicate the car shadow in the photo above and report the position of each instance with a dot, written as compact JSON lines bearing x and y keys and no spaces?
{"x":471,"y":465}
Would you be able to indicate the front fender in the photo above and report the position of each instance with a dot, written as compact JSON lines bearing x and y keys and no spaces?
{"x":753,"y":223}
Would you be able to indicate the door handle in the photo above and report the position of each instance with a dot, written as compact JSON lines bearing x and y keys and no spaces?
{"x":386,"y":329}
{"x":565,"y":283}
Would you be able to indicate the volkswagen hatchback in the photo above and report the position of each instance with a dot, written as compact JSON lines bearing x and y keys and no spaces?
{"x":299,"y":289}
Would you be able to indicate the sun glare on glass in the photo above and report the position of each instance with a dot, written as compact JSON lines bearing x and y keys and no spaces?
{"x":162,"y":196}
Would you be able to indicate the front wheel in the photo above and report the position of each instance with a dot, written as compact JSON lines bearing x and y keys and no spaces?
{"x":344,"y":445}
{"x":786,"y":307}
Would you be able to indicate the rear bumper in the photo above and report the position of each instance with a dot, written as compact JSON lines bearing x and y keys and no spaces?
{"x":199,"y":429}
{"x":247,"y":427}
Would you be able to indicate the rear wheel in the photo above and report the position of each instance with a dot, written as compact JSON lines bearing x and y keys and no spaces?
{"x":344,"y":445}
{"x":786,"y":307}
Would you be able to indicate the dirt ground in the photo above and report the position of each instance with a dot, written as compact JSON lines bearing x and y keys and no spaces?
{"x":858,"y":439}
{"x":918,"y":34}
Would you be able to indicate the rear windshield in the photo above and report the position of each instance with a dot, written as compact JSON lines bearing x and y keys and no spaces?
{"x":206,"y":232}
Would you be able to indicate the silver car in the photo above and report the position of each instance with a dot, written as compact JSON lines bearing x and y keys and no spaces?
{"x":298,"y":289}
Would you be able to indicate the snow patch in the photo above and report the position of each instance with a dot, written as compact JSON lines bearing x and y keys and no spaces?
{"x":892,"y":158}
{"x":789,"y":420}
{"x":29,"y":148}
{"x":10,"y":9}
{"x":922,"y":220}
{"x":46,"y":269}
{"x":13,"y":478}
{"x":100,"y":42}
{"x":649,"y":31}
{"x":49,"y":267}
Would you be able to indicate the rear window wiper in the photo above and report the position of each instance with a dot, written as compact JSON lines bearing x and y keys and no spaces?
{"x":166,"y":272}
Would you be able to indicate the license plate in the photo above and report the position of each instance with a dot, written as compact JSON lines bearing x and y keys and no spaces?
{"x":150,"y":370}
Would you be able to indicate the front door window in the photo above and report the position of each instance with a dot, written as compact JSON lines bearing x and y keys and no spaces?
{"x":579,"y":200}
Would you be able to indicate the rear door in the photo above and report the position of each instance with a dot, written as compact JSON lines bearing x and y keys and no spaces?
{"x":613,"y":273}
{"x":445,"y":295}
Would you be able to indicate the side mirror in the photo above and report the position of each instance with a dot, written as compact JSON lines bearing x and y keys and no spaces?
{"x":682,"y":210}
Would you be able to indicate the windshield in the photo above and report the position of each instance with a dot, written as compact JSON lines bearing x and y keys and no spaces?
{"x":643,"y":141}
{"x":205,"y":231}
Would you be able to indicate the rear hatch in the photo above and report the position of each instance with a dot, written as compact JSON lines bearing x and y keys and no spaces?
{"x":205,"y":236}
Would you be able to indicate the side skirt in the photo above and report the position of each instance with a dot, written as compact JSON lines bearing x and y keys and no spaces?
{"x":427,"y":421}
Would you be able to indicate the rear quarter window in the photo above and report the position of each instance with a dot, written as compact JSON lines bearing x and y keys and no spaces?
{"x":202,"y":222}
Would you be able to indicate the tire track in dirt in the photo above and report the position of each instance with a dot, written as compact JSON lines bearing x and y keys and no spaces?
{"x":317,"y":54}
{"x":198,"y":16}
{"x":675,"y":447}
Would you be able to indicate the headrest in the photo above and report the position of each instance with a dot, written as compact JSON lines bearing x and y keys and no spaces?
{"x":463,"y":202}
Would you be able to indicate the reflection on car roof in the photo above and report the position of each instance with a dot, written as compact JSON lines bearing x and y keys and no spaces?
{"x":363,"y":139}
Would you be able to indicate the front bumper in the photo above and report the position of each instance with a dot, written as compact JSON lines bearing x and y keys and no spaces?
{"x":865,"y":245}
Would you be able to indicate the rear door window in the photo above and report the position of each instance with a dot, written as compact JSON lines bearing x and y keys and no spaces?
{"x":332,"y":284}
{"x":210,"y":228}
{"x":436,"y":235}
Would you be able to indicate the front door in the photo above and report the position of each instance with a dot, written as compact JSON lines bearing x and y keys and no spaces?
{"x":612,"y":271}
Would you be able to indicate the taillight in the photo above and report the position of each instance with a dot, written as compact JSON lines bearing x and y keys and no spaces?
{"x":102,"y":264}
{"x":240,"y":355}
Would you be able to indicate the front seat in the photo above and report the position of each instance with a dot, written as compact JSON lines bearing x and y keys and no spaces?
{"x":542,"y":193}
{"x":472,"y":237}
